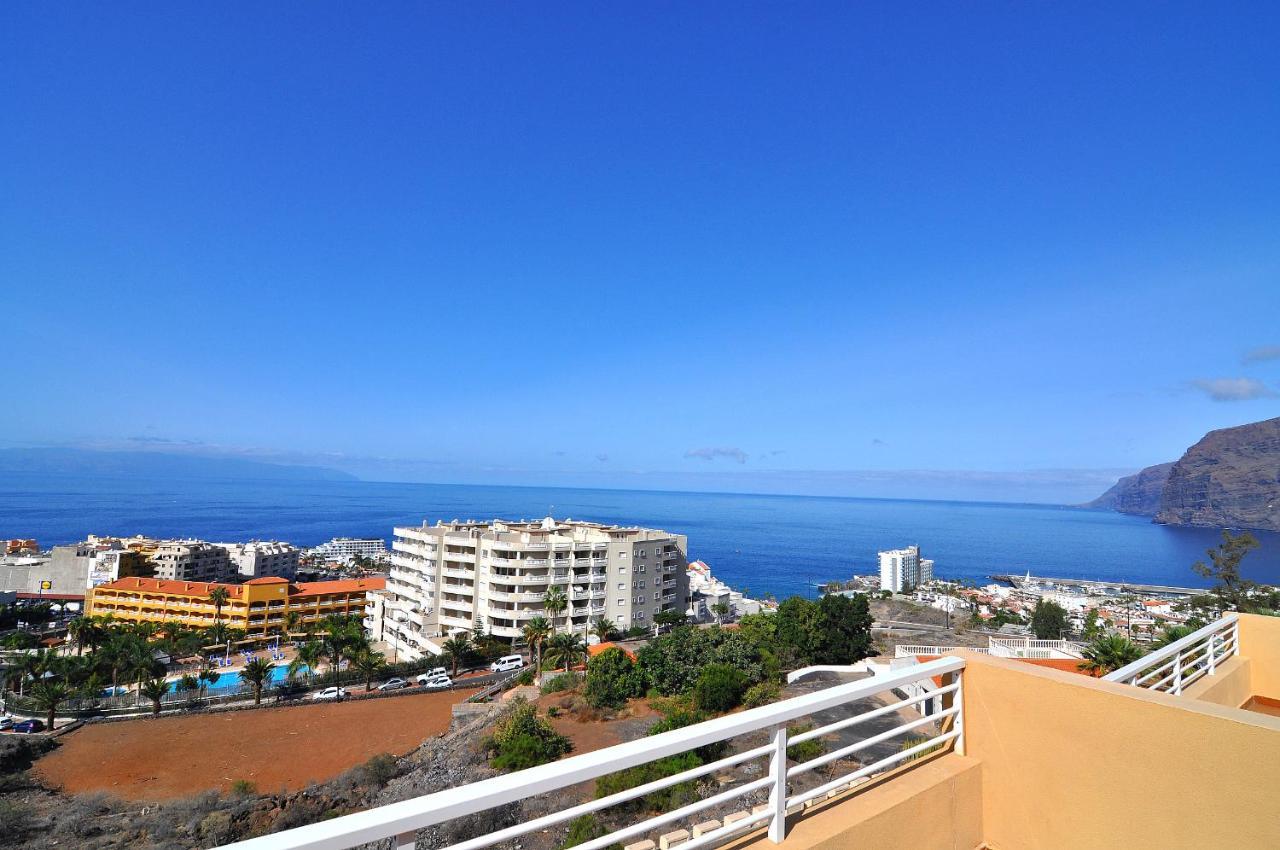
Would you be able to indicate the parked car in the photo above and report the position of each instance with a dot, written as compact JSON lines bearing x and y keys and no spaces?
{"x":6,"y":722}
{"x":432,"y":673}
{"x":27,"y":727}
{"x":438,"y":683}
{"x":393,"y":684}
{"x":507,"y":662}
{"x":330,"y":693}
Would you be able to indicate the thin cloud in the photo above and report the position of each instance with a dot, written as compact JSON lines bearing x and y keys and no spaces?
{"x":1262,"y":354}
{"x":1233,"y":389}
{"x":876,"y":441}
{"x":712,"y":453}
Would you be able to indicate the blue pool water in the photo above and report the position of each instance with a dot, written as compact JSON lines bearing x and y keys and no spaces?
{"x":230,"y":681}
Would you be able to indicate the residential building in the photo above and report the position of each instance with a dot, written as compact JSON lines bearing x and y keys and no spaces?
{"x":21,"y":546}
{"x":495,"y":576}
{"x":261,"y":558}
{"x":903,"y":570}
{"x":346,"y":548}
{"x":191,"y":560}
{"x":259,"y":606}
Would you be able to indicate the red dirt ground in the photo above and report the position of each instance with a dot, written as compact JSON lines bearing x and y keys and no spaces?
{"x":165,"y":757}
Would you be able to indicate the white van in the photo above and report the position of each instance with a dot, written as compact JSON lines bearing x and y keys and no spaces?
{"x":507,"y":662}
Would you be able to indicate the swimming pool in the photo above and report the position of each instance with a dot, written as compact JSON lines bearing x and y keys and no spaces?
{"x":231,"y":681}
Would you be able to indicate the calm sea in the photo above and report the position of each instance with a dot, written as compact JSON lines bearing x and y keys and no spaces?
{"x":783,"y":544}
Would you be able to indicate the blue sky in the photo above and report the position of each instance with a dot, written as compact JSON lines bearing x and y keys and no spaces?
{"x":792,"y":247}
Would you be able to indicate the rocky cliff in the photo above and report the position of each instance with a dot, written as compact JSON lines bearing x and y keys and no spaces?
{"x":1137,"y":494}
{"x":1231,"y":478}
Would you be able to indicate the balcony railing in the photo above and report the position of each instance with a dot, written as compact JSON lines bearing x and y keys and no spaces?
{"x":1172,"y":668}
{"x":400,"y":821}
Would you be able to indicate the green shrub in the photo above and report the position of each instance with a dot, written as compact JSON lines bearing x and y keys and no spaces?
{"x":379,"y":770}
{"x":662,"y":800}
{"x":525,"y":677}
{"x":15,"y":819}
{"x":522,"y":739}
{"x":583,"y":829}
{"x":805,"y":750}
{"x":563,"y":682}
{"x":611,"y":679}
{"x":672,"y":662}
{"x":761,"y":694}
{"x":553,"y":711}
{"x":913,"y":742}
{"x":719,"y":687}
{"x":243,"y":788}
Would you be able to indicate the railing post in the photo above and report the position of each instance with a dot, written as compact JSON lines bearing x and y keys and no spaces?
{"x":957,"y":699}
{"x":1177,"y":674}
{"x":407,"y":840}
{"x":778,"y":793}
{"x":1209,"y":654}
{"x":1235,"y":638}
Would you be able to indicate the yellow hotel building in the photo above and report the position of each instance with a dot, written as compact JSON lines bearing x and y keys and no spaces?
{"x":257,"y":606}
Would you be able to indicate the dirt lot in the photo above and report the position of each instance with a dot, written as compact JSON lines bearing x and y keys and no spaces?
{"x":274,"y":748}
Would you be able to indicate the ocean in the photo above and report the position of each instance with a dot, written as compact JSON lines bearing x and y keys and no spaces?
{"x":782,"y":544}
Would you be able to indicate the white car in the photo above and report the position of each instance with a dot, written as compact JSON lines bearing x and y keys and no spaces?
{"x":6,"y":723}
{"x":438,"y":683}
{"x":432,"y":674}
{"x":330,"y":693}
{"x":507,"y":662}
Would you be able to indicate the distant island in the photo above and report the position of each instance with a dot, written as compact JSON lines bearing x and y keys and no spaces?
{"x":59,"y":461}
{"x":1229,"y":479}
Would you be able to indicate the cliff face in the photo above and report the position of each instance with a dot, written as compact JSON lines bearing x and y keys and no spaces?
{"x":1231,"y":478}
{"x":1137,"y":494}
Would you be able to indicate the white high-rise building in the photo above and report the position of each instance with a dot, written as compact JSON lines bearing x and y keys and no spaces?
{"x":903,"y":569}
{"x":496,"y":576}
{"x":346,"y":548}
{"x":261,"y":558}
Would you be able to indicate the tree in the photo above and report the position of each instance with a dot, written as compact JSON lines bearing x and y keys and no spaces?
{"x":48,"y":695}
{"x":603,"y":629}
{"x":1231,"y":589}
{"x":291,"y":621}
{"x":257,"y":673}
{"x":457,"y":648}
{"x":219,"y":596}
{"x":1048,"y":620}
{"x":1091,"y":628}
{"x":555,"y":602}
{"x":522,"y":739}
{"x":669,"y":618}
{"x":565,"y":650}
{"x":1109,"y":653}
{"x":536,"y":632}
{"x":208,"y":677}
{"x":1170,"y":634}
{"x":81,"y":630}
{"x":671,"y":663}
{"x":154,"y":690}
{"x":612,"y":679}
{"x":842,"y":630}
{"x":306,"y":658}
{"x":797,"y":630}
{"x":342,"y":635}
{"x":368,"y":664}
{"x":721,"y":610}
{"x":719,"y":688}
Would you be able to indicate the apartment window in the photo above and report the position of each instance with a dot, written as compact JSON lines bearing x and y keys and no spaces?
{"x":622,"y":556}
{"x":620,"y":602}
{"x":644,"y":553}
{"x":657,"y":595}
{"x":621,"y":585}
{"x":641,"y":568}
{"x":642,"y":584}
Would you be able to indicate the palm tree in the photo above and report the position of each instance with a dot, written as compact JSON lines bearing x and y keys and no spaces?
{"x":219,"y":596}
{"x":342,"y":636}
{"x":1108,"y":653}
{"x":1170,"y":634}
{"x":555,"y":602}
{"x":208,"y":678}
{"x":48,"y":695}
{"x":604,"y":629}
{"x":154,"y":690}
{"x":308,"y":656}
{"x":369,"y":664}
{"x":536,"y":632}
{"x":291,"y":621}
{"x":187,"y":684}
{"x":81,"y":630}
{"x":257,"y":673}
{"x":565,"y":650}
{"x":457,"y":648}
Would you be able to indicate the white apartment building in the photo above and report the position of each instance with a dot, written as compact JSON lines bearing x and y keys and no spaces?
{"x":904,"y":569}
{"x":496,"y":575}
{"x":261,"y":558}
{"x":346,"y":548}
{"x":191,"y":560}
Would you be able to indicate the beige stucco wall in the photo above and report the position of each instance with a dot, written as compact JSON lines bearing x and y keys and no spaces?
{"x":1230,"y":685}
{"x":1070,"y":761}
{"x":935,"y":805}
{"x":1260,"y":643}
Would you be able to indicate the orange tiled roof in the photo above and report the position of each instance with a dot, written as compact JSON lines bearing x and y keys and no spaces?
{"x":348,"y":585}
{"x":598,"y":648}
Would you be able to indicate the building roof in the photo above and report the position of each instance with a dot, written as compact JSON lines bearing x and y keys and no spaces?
{"x":202,"y":588}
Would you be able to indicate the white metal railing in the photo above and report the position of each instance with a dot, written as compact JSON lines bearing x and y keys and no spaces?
{"x":1172,"y":668}
{"x":905,"y":650}
{"x":400,"y":821}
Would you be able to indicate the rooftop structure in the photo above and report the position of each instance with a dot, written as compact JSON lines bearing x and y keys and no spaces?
{"x":258,"y":606}
{"x":993,"y":752}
